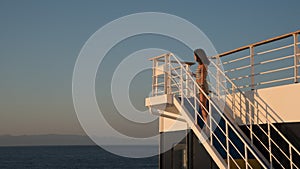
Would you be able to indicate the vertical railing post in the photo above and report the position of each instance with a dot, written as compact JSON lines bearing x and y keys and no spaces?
{"x":166,"y":76}
{"x":251,"y":112}
{"x":227,"y":144}
{"x":256,"y":111}
{"x":233,"y":101}
{"x":291,"y":157}
{"x":218,"y":78}
{"x":153,"y":77}
{"x":270,"y":146}
{"x":195,"y":103}
{"x":267,"y":117}
{"x":210,"y":123}
{"x":246,"y":156}
{"x":251,"y":132}
{"x":181,"y":85}
{"x":252,"y":66}
{"x":169,"y":75}
{"x":295,"y":57}
{"x":241,"y":107}
{"x":187,"y":81}
{"x":252,"y":88}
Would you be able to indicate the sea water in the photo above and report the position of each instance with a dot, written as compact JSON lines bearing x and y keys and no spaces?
{"x":69,"y":157}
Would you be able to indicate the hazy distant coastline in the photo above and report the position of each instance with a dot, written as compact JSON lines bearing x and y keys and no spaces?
{"x":54,"y":139}
{"x":51,"y":139}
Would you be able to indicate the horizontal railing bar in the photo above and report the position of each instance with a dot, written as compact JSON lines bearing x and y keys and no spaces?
{"x":235,"y":60}
{"x":159,"y":56}
{"x":274,"y":49}
{"x":274,"y":81}
{"x":275,"y":70}
{"x":260,"y":63}
{"x":273,"y":60}
{"x":173,"y":61}
{"x":239,"y":68}
{"x":257,"y":44}
{"x":266,"y":82}
{"x":240,"y":77}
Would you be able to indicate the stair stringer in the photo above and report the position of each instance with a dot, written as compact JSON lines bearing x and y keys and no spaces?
{"x":196,"y":129}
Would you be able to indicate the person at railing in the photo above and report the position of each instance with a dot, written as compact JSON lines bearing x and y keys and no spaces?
{"x":201,"y":73}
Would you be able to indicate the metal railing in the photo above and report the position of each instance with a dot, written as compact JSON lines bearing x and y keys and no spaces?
{"x":258,"y":65}
{"x":257,"y":117}
{"x":267,"y":63}
{"x":171,"y":76}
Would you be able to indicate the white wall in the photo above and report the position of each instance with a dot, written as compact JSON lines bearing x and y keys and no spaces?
{"x":284,"y":100}
{"x":167,"y":125}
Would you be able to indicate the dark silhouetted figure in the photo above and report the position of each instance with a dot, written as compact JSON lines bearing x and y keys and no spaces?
{"x":201,"y":73}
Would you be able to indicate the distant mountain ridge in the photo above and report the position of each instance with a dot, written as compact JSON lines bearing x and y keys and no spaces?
{"x":49,"y":139}
{"x":55,"y":139}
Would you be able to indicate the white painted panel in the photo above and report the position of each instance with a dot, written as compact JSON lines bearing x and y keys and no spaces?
{"x":284,"y":100}
{"x":167,"y":124}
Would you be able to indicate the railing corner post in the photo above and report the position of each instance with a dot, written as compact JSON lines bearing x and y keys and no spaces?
{"x":296,"y":51}
{"x":167,"y":75}
{"x":252,"y":66}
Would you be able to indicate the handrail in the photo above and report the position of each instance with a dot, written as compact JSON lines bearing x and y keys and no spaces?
{"x":184,"y":93}
{"x":289,"y":48}
{"x":265,"y":114}
{"x":212,"y":104}
{"x":258,"y":43}
{"x":257,"y":116}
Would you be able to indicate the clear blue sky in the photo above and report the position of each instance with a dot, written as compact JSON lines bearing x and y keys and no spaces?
{"x":40,"y":41}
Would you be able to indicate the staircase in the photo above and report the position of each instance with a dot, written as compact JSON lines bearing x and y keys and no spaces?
{"x":239,"y":132}
{"x":256,"y":121}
